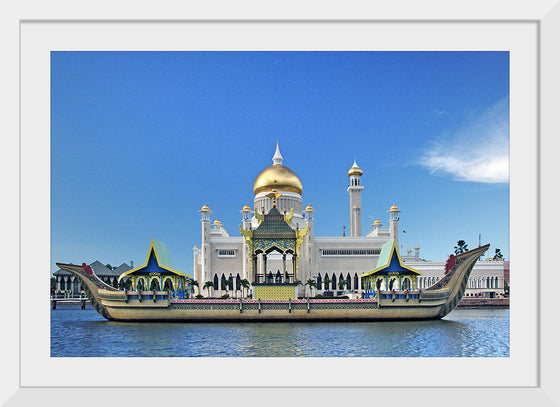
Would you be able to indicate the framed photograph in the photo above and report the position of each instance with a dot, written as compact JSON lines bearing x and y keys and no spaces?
{"x":528,"y":42}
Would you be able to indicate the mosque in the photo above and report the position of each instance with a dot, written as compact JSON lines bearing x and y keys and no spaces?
{"x":278,"y":247}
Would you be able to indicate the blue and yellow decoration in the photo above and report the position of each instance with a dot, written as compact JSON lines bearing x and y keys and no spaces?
{"x":157,"y":273}
{"x":390,"y":274}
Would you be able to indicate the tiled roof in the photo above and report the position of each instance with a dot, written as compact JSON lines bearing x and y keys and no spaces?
{"x":121,"y":269}
{"x":274,"y":226}
{"x":389,"y":259}
{"x":99,"y":269}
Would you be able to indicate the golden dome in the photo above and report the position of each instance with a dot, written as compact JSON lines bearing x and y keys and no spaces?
{"x":277,"y":177}
{"x":195,"y":247}
{"x":246,"y":208}
{"x":377,"y":222}
{"x":394,"y":208}
{"x":205,"y":208}
{"x":217,"y":222}
{"x":416,"y":247}
{"x":355,"y":170}
{"x":308,"y":208}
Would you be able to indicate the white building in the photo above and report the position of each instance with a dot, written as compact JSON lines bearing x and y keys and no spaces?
{"x":223,"y":257}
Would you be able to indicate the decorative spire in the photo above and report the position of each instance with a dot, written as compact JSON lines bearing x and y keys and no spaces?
{"x":277,"y":159}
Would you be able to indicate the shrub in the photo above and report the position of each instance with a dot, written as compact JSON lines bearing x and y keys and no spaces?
{"x":199,"y":296}
{"x":225,"y":296}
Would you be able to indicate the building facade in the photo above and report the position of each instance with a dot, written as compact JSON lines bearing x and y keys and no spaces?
{"x":326,"y":260}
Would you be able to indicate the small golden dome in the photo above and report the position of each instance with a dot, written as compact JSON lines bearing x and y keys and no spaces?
{"x":394,"y":208}
{"x":195,"y":247}
{"x":416,"y":247}
{"x":409,"y":249}
{"x":278,"y":177}
{"x":355,"y":170}
{"x":246,"y":208}
{"x":205,"y":208}
{"x":217,"y":222}
{"x":308,"y":208}
{"x":377,"y":222}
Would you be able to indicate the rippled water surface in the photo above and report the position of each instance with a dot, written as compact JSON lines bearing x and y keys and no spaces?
{"x":464,"y":332}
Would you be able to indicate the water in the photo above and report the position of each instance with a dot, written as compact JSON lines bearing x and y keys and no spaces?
{"x":464,"y":332}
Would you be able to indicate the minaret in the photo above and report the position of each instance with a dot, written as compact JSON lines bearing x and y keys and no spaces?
{"x":308,"y":243}
{"x":205,"y":245}
{"x":355,"y":191}
{"x":196,"y":270}
{"x":394,"y":223}
{"x":246,"y":219}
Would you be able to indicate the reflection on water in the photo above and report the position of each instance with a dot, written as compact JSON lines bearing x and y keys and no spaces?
{"x":464,"y":332}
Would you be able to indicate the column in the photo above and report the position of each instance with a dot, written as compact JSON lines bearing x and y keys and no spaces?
{"x":284,"y":266}
{"x":255,"y":270}
{"x":264,"y":266}
{"x":294,"y":264}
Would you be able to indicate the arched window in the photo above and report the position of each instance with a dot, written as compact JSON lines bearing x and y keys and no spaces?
{"x":333,"y":280}
{"x":141,"y":284}
{"x":319,"y":282}
{"x":223,"y":282}
{"x":355,"y":281}
{"x":168,"y":284}
{"x":215,"y":281}
{"x":406,"y":284}
{"x":237,"y":282}
{"x":154,"y":284}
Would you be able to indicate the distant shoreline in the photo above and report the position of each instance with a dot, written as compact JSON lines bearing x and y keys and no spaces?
{"x":472,"y":302}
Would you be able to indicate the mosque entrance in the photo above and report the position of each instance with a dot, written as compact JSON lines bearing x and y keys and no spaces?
{"x":274,"y":247}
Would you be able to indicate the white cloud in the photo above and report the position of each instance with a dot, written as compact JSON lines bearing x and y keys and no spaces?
{"x":478,"y":152}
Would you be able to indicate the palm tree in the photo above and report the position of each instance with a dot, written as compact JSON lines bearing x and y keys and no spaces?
{"x":311,"y":283}
{"x":326,"y":281}
{"x":342,"y":283}
{"x":208,"y":285}
{"x":226,"y":284}
{"x":194,"y":283}
{"x":245,"y":284}
{"x":461,"y":247}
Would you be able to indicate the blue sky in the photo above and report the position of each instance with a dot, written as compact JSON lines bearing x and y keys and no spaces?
{"x":141,"y":140}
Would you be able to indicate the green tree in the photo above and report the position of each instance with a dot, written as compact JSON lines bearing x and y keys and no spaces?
{"x":194,"y":283}
{"x":124,"y":284}
{"x":227,"y":285}
{"x":498,"y":254}
{"x":245,"y":284}
{"x":311,"y":283}
{"x":342,"y":284}
{"x":327,"y":281}
{"x":461,"y":247}
{"x":207,"y":286}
